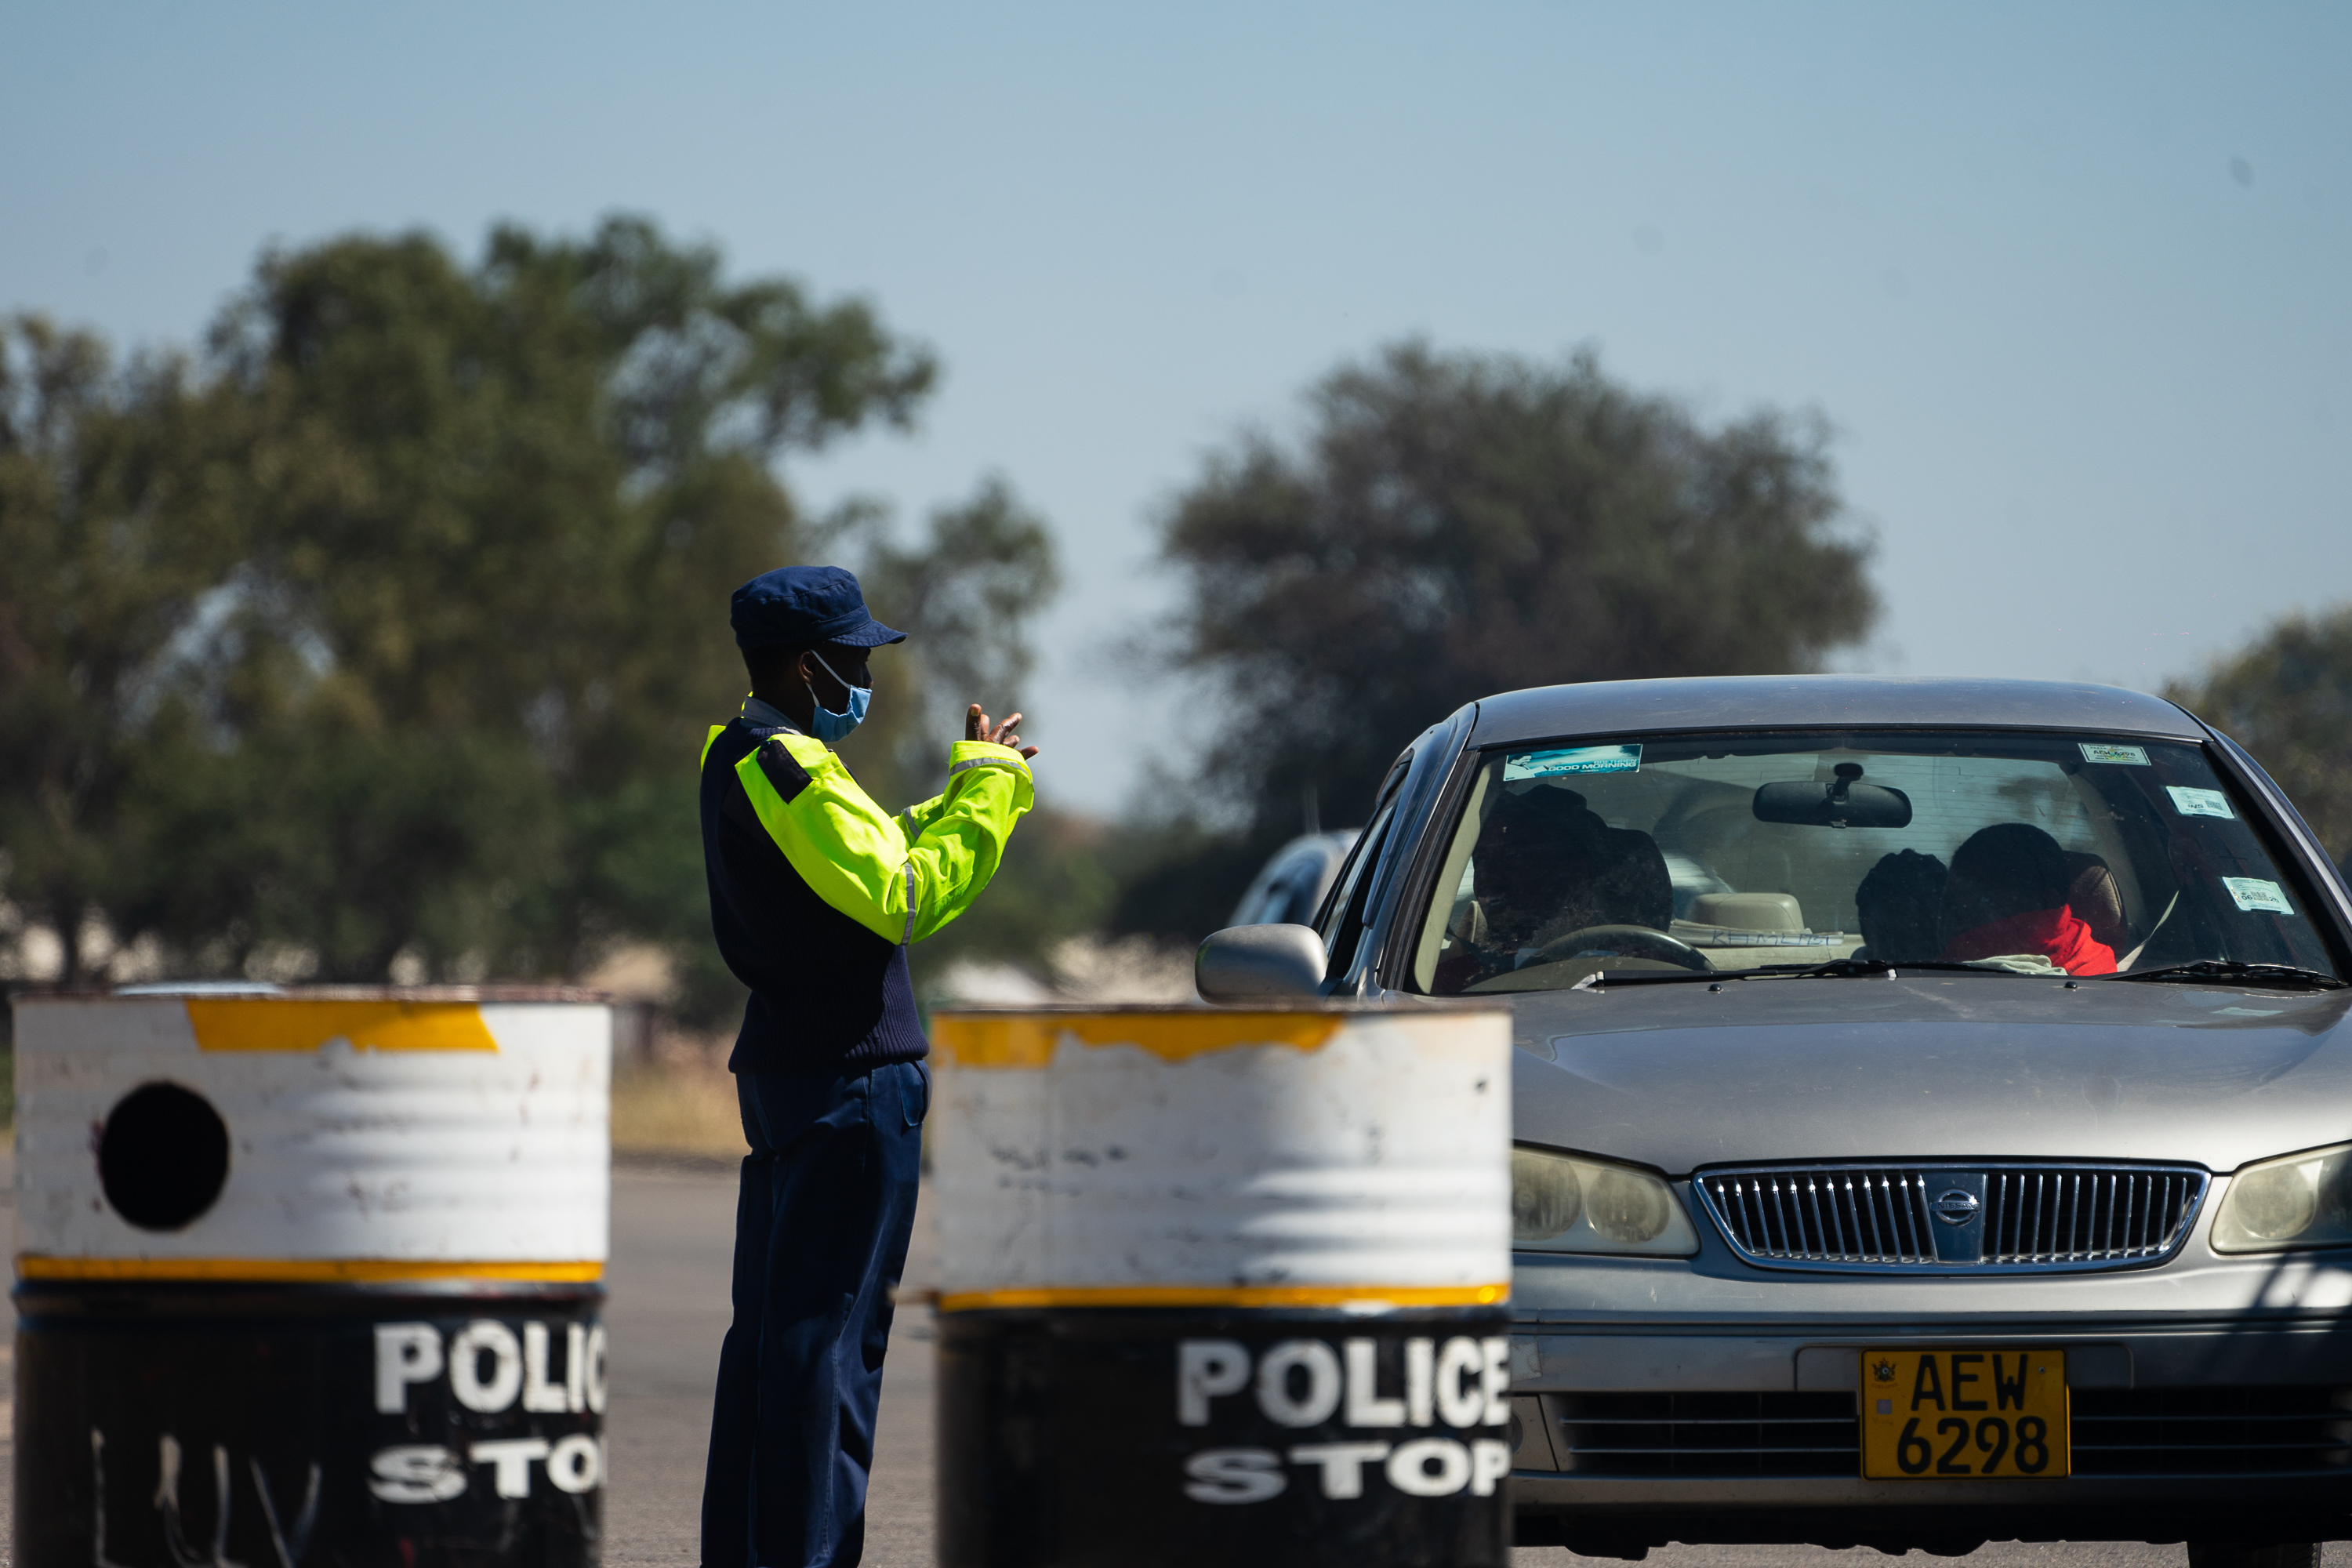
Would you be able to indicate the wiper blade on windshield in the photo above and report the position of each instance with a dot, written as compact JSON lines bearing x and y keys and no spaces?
{"x":1846,"y":968}
{"x":1602,"y":979}
{"x":1840,"y":968}
{"x":2234,"y":969}
{"x":1833,"y":969}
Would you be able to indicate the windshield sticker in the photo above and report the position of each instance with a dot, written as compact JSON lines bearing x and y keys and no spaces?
{"x":2251,"y":893}
{"x":2201,"y":803}
{"x":1571,"y":760}
{"x":2120,"y":756}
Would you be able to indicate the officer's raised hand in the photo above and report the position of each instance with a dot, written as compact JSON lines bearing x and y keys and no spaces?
{"x":976,"y":728}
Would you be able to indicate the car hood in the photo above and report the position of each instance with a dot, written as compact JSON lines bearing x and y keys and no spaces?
{"x":1944,"y":1066}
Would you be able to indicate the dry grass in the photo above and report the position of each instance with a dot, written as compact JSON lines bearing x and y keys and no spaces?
{"x":681,"y":1102}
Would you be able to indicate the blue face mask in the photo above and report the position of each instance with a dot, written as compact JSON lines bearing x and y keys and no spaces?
{"x":824,"y":723}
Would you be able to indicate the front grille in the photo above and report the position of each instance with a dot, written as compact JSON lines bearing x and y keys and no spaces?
{"x":2283,"y":1430}
{"x":2264,"y":1431}
{"x":1705,"y":1433}
{"x":2069,"y":1214}
{"x":2034,"y":1217}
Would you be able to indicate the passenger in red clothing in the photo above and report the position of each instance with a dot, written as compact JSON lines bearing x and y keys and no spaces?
{"x":2007,"y":896}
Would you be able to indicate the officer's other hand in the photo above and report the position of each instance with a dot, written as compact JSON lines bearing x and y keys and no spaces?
{"x":976,"y":727}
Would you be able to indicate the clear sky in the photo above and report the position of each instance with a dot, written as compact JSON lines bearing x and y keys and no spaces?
{"x":2073,"y":284}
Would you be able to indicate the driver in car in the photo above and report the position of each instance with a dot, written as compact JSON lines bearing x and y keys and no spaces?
{"x":1546,"y":866}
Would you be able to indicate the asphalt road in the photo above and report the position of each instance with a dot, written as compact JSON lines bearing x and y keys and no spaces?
{"x":672,"y":1231}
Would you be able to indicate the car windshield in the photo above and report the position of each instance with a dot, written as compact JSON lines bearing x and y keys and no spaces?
{"x":1723,"y":853}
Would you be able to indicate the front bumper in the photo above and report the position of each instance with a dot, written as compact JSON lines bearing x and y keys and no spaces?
{"x":1687,"y":1419}
{"x":2183,"y":1431}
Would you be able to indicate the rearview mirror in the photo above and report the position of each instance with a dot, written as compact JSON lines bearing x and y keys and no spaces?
{"x":1845,"y":802}
{"x":1255,"y":964}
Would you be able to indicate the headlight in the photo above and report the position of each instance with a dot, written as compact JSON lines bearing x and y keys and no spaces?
{"x":2303,"y":1200}
{"x":1563,"y":1204}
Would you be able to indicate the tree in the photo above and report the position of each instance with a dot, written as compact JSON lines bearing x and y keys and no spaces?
{"x":1459,"y":524}
{"x":118,"y":528}
{"x":965,"y":595}
{"x":497,"y":512}
{"x":382,"y":641}
{"x":2287,"y":698}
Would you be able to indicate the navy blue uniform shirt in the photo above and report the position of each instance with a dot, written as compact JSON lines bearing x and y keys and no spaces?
{"x":827,"y":993}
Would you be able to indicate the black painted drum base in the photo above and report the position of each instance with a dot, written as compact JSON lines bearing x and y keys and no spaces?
{"x":309,"y":1427}
{"x":1117,"y":1437}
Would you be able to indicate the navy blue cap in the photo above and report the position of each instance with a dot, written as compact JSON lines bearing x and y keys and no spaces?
{"x":801,"y":606}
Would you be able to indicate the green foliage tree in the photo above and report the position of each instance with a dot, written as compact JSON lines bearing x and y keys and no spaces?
{"x":966,"y":592}
{"x":118,"y":524}
{"x":2287,"y":698}
{"x":1457,"y":524}
{"x":388,"y":639}
{"x":497,"y":511}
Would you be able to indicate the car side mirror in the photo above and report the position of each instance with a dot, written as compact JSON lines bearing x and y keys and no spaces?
{"x":1257,"y":963}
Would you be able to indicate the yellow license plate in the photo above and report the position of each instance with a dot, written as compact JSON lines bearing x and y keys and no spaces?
{"x":1963,"y":1415}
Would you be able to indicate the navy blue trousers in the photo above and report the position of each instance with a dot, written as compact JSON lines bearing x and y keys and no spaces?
{"x":821,"y":1220}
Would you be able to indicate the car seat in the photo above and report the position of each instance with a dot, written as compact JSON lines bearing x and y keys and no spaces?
{"x":2096,"y":899}
{"x":1640,"y":887}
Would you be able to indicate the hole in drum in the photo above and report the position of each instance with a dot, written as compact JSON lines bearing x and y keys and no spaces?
{"x":164,"y":1156}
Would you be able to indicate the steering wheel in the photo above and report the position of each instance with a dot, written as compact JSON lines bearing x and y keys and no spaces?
{"x":1625,"y":941}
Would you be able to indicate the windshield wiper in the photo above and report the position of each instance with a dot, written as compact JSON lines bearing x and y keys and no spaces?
{"x":1834,"y":968}
{"x":1847,"y":968}
{"x":2234,"y":969}
{"x":1602,"y":979}
{"x":1840,"y":968}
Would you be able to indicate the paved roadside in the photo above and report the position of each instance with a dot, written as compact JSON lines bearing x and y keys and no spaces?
{"x":673,"y":1235}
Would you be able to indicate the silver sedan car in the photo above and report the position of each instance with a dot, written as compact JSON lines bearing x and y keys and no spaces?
{"x":1933,"y":1107}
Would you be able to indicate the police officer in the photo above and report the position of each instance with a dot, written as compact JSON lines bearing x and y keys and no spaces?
{"x":815,"y":893}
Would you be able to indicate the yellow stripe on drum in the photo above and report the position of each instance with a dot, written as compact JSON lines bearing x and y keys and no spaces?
{"x":1237,"y":1295}
{"x":1029,"y":1040}
{"x":272,"y":1024}
{"x":303,"y":1270}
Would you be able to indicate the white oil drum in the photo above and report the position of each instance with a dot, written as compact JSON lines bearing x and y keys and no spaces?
{"x":1223,"y":1285}
{"x":311,"y":1276}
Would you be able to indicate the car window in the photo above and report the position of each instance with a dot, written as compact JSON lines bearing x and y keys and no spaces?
{"x":2017,"y":853}
{"x":1343,"y":918}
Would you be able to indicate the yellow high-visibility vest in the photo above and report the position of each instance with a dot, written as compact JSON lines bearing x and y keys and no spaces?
{"x":901,"y":878}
